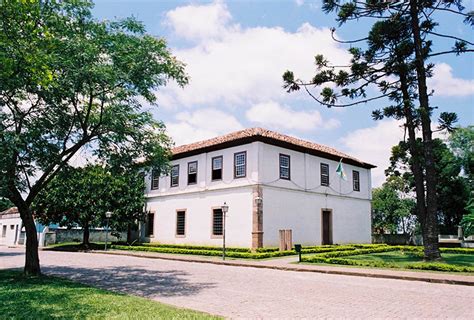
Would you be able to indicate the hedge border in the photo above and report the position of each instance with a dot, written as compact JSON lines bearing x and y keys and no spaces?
{"x":335,"y":258}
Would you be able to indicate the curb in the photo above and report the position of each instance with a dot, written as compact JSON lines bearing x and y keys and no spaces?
{"x":297,"y":269}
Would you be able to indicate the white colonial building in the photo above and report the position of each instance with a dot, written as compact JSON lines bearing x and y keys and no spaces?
{"x":10,"y":227}
{"x":270,"y":182}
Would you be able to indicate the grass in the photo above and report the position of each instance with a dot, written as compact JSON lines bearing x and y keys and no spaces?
{"x":404,"y":258}
{"x":55,"y":298}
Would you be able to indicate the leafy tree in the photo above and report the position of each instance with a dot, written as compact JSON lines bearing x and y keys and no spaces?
{"x":392,"y":208}
{"x":393,"y":62}
{"x":70,"y":83}
{"x":461,"y":141}
{"x":467,"y":221}
{"x":81,"y":196}
{"x":5,"y":204}
{"x":452,"y":188}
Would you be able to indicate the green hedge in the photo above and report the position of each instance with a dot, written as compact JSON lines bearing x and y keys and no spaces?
{"x":192,"y":247}
{"x":231,"y":254}
{"x":379,"y":264}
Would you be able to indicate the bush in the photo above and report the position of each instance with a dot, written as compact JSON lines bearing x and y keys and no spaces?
{"x":231,"y":254}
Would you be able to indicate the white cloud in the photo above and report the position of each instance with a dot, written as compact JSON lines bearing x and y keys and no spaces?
{"x":201,"y":124}
{"x":275,"y":115}
{"x":198,"y":22}
{"x":374,"y":145}
{"x":299,"y":3}
{"x":445,"y":84}
{"x":232,"y":65}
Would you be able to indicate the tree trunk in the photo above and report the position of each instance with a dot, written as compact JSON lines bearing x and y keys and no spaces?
{"x":415,"y":152}
{"x":32,"y":264}
{"x":430,"y":230}
{"x":86,"y":234}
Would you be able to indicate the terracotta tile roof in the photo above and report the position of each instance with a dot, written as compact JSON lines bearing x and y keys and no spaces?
{"x":12,"y":210}
{"x":267,"y":136}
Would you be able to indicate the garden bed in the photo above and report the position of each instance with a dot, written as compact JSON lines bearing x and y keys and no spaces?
{"x":402,"y":257}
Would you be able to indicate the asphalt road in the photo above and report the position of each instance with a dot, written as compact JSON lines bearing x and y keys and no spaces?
{"x":240,"y":292}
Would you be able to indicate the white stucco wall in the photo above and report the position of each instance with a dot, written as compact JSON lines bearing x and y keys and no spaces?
{"x":301,"y":212}
{"x":11,"y":235}
{"x":198,"y":206}
{"x":305,"y":173}
{"x":295,"y":204}
{"x":204,"y":179}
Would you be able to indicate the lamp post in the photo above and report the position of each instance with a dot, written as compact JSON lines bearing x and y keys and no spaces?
{"x":108,"y":215}
{"x":224,"y":209}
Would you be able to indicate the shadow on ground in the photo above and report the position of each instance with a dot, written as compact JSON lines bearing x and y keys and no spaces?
{"x":133,"y":280}
{"x":11,"y":254}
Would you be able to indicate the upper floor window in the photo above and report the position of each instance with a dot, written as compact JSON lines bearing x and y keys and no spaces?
{"x":284,"y":166}
{"x":155,"y":179}
{"x":324,"y":174}
{"x":192,"y":172}
{"x":217,"y":168}
{"x":175,"y":175}
{"x":240,"y":164}
{"x":355,"y":180}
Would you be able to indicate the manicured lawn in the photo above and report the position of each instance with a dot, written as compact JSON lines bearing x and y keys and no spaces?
{"x":54,"y":298}
{"x":404,"y":258}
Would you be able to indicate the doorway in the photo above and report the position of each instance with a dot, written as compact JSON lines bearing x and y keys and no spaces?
{"x":326,"y":226}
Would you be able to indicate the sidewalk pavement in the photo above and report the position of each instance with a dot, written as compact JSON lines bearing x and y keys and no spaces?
{"x":290,"y":264}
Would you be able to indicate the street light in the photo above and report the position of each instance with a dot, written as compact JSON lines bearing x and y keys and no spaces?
{"x":224,"y":209}
{"x":108,"y":215}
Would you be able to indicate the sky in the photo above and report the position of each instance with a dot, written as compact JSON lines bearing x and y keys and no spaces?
{"x":236,"y":52}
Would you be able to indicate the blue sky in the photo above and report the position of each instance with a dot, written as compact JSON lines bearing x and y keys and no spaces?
{"x":236,"y":52}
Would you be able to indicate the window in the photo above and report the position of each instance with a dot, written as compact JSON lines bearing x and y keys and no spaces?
{"x":155,"y":179}
{"x":284,"y":166}
{"x":324,"y":174}
{"x":180,"y":223}
{"x":217,"y":168}
{"x":240,"y":164}
{"x":175,"y":175}
{"x":150,"y":223}
{"x":192,"y":172}
{"x":217,"y":222}
{"x":355,"y":180}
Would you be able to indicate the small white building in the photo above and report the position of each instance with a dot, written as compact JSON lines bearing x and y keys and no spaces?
{"x":270,"y":182}
{"x":10,"y":227}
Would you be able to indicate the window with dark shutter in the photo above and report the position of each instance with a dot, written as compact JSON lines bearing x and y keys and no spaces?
{"x":356,"y":180}
{"x":150,"y":223}
{"x":240,"y":164}
{"x":284,"y":166}
{"x":181,"y":223}
{"x":217,"y":222}
{"x":324,"y":174}
{"x":192,"y":172}
{"x":155,"y":179}
{"x":217,"y":168}
{"x":175,"y":175}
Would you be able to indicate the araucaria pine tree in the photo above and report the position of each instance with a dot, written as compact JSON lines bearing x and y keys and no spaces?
{"x":394,"y":60}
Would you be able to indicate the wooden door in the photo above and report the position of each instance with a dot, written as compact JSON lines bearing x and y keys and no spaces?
{"x":326,"y":227}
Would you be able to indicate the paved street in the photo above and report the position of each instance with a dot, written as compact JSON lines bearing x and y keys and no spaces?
{"x":240,"y":292}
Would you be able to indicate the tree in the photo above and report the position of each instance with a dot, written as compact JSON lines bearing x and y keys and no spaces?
{"x":5,"y":204}
{"x":397,"y":47}
{"x":461,"y":141}
{"x":467,"y":221}
{"x":70,"y":83}
{"x":452,"y":188}
{"x":392,"y":208}
{"x":81,"y":196}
